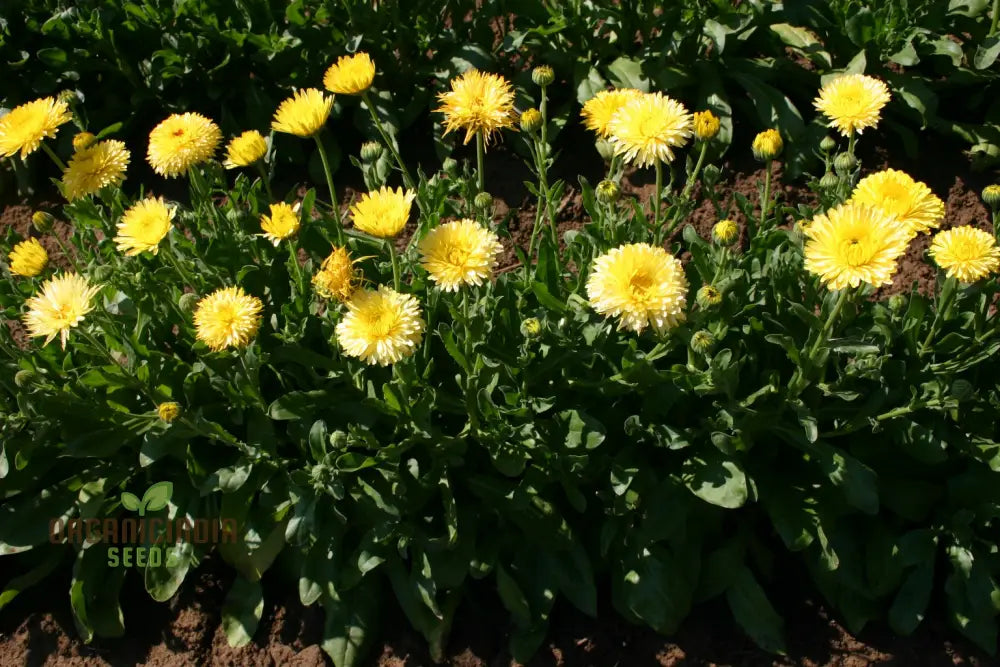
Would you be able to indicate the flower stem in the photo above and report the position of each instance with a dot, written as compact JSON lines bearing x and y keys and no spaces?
{"x":947,"y":296}
{"x":390,"y":142}
{"x":765,"y":202}
{"x":266,"y":181}
{"x":175,"y":262}
{"x":65,"y":251}
{"x":798,"y":383}
{"x":393,"y":257}
{"x":55,"y":158}
{"x":659,"y":196}
{"x":995,"y":14}
{"x":697,"y":169}
{"x":329,"y":185}
{"x":480,"y":160}
{"x":293,"y":257}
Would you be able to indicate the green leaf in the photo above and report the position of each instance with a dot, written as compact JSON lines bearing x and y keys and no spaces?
{"x":52,"y":56}
{"x":625,"y":72}
{"x":546,"y":299}
{"x":910,"y":605}
{"x":804,"y":42}
{"x":716,"y":480}
{"x":349,"y":625}
{"x":857,"y":481}
{"x":242,"y":610}
{"x":987,"y":52}
{"x":156,"y":497}
{"x":298,"y":405}
{"x":25,"y":581}
{"x":753,"y":611}
{"x":582,"y":429}
{"x":130,"y":501}
{"x":861,"y":27}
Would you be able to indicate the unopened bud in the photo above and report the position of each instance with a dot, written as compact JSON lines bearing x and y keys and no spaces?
{"x":605,"y":149}
{"x":187,"y":302}
{"x":708,"y":297}
{"x":725,"y":232}
{"x":706,"y":125}
{"x":543,"y":76}
{"x":24,"y":378}
{"x":991,"y":196}
{"x":845,"y":163}
{"x":608,"y":192}
{"x":531,"y":328}
{"x":829,"y":181}
{"x":483,"y":200}
{"x":67,"y":96}
{"x":828,"y":144}
{"x":710,"y":175}
{"x":169,"y":411}
{"x":42,"y":222}
{"x":767,"y":145}
{"x":531,"y":120}
{"x":371,"y":151}
{"x":702,"y":342}
{"x":897,"y":302}
{"x":83,"y":140}
{"x":450,"y":166}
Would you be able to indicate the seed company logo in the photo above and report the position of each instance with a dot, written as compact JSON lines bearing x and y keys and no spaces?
{"x":146,"y":540}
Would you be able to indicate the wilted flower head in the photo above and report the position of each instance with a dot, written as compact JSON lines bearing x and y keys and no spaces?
{"x":28,"y":258}
{"x":896,"y":193}
{"x":24,"y":128}
{"x":767,"y":145}
{"x":852,"y":102}
{"x":304,"y":114}
{"x":854,"y":243}
{"x":384,"y":212}
{"x":600,"y":109}
{"x":350,"y":75}
{"x":641,"y":284}
{"x":227,"y":317}
{"x":459,"y":253}
{"x":337,"y":277}
{"x":381,"y":326}
{"x":647,"y":129}
{"x":966,"y":253}
{"x":144,"y":225}
{"x":94,"y":167}
{"x":245,"y":149}
{"x":283,"y":223}
{"x":706,"y":125}
{"x":180,"y":142}
{"x":60,"y":306}
{"x":478,"y":103}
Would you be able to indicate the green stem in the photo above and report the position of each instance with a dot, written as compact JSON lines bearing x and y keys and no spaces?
{"x":393,"y":257}
{"x":995,"y":15}
{"x":470,"y":399}
{"x":659,"y":195}
{"x":329,"y":185}
{"x":697,"y":169}
{"x":828,"y":325}
{"x":55,"y":158}
{"x":175,"y":262}
{"x":65,"y":251}
{"x":266,"y":181}
{"x":480,"y":160}
{"x":390,"y":142}
{"x":942,"y":310}
{"x":293,"y":257}
{"x":765,"y":203}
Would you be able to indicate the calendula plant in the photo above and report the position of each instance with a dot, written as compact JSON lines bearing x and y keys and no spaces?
{"x":381,"y":412}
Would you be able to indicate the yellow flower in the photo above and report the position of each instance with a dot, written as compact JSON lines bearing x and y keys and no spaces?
{"x":144,"y":225}
{"x":60,"y":306}
{"x":706,"y":125}
{"x":896,"y":193}
{"x":767,"y":145}
{"x":227,"y":317}
{"x":24,"y":128}
{"x":724,"y":232}
{"x":180,"y":142}
{"x":83,"y":140}
{"x":303,"y":114}
{"x":852,"y":102}
{"x":966,"y":253}
{"x":640,"y":283}
{"x":478,"y":102}
{"x":350,"y":75}
{"x":283,"y":223}
{"x":383,"y":213}
{"x":854,"y":243}
{"x":169,"y":411}
{"x":600,"y":109}
{"x":28,"y":258}
{"x":459,"y":253}
{"x":337,"y":277}
{"x":647,"y":129}
{"x":245,"y":149}
{"x":381,"y":326}
{"x":94,"y":167}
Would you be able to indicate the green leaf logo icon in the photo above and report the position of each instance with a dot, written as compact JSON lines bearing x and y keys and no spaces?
{"x":155,"y":498}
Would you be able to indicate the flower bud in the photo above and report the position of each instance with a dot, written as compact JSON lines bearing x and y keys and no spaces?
{"x":608,"y":192}
{"x":371,"y":151}
{"x":531,"y":328}
{"x":708,"y":297}
{"x":83,"y":140}
{"x":24,"y":378}
{"x":531,"y":120}
{"x":991,"y":196}
{"x":450,"y":166}
{"x":828,"y":144}
{"x":702,"y":342}
{"x":706,"y":125}
{"x":169,"y":411}
{"x":42,"y":222}
{"x":187,"y":302}
{"x":67,"y":96}
{"x":543,"y":76}
{"x":725,"y":232}
{"x":710,"y":175}
{"x":605,"y":149}
{"x":767,"y":145}
{"x":829,"y":181}
{"x":845,"y":163}
{"x":483,"y":200}
{"x":897,"y":302}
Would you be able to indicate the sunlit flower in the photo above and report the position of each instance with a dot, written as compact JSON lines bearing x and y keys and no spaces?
{"x":181,"y":142}
{"x":227,"y":317}
{"x":350,"y":75}
{"x":245,"y":149}
{"x":169,"y":411}
{"x":381,"y":326}
{"x":767,"y":145}
{"x":966,"y":253}
{"x":283,"y":223}
{"x":384,"y":212}
{"x":706,"y":125}
{"x":854,"y":243}
{"x":478,"y":102}
{"x":83,"y":140}
{"x":24,"y":128}
{"x":600,"y":109}
{"x":641,"y":284}
{"x":896,"y":193}
{"x":647,"y":129}
{"x":337,"y":277}
{"x":459,"y":253}
{"x":304,"y":114}
{"x":94,"y":167}
{"x":144,"y":225}
{"x":28,"y":258}
{"x":852,"y":102}
{"x":61,"y":305}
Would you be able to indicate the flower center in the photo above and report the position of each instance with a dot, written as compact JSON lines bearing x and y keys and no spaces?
{"x":457,"y":256}
{"x":855,"y":253}
{"x":381,"y":323}
{"x":639,"y":284}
